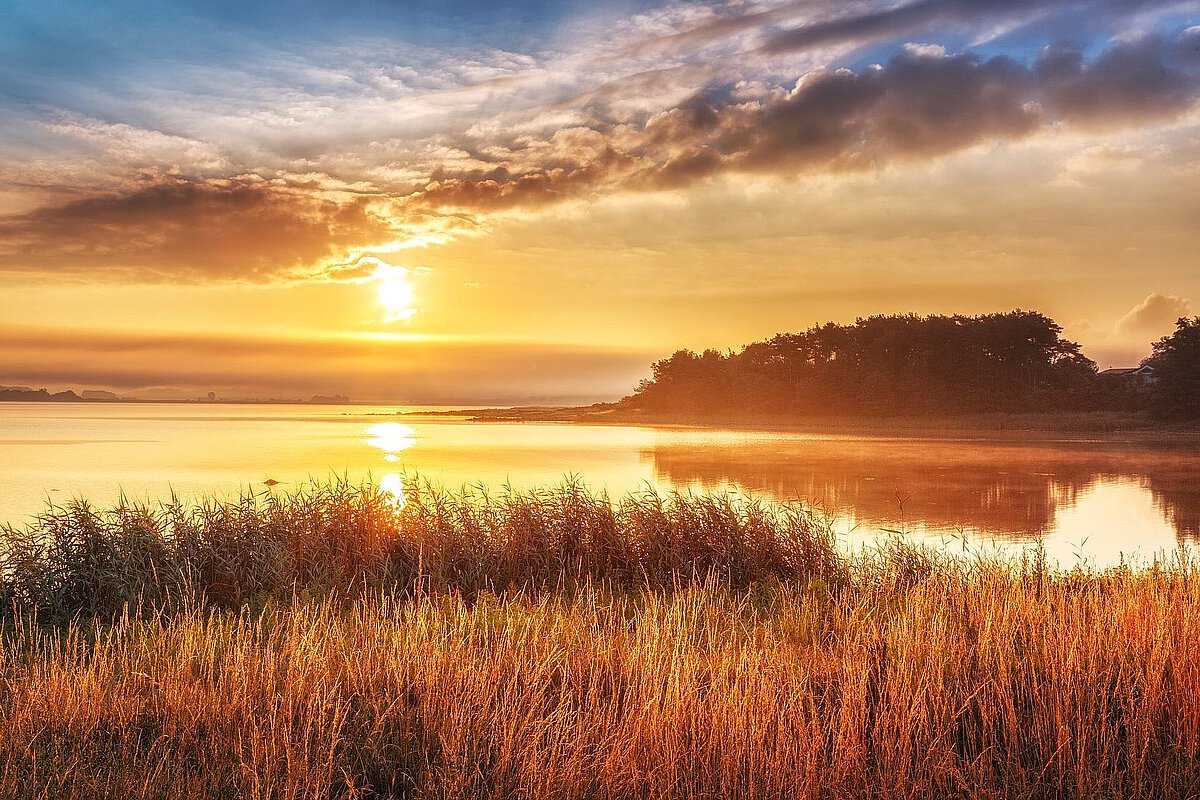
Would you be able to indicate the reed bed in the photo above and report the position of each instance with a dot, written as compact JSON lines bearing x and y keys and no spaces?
{"x":472,"y":647}
{"x":345,"y":538}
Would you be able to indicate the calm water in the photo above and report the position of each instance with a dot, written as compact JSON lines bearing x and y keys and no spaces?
{"x":1087,"y":499}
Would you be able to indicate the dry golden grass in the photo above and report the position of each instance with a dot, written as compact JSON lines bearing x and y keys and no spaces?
{"x":899,"y":674}
{"x":339,"y":537}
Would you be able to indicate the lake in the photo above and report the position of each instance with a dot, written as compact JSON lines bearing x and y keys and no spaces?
{"x":1089,"y":500}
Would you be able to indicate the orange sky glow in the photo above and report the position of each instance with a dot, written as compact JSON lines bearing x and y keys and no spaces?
{"x":536,"y":221}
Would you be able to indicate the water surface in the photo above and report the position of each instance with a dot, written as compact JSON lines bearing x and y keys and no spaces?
{"x":1090,"y":500}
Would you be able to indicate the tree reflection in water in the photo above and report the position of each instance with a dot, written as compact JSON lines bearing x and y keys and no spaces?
{"x":1007,"y":490}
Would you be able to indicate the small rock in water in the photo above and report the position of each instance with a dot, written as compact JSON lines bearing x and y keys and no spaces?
{"x":270,"y":482}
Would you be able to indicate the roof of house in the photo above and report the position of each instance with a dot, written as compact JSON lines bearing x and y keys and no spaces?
{"x":1144,"y":369}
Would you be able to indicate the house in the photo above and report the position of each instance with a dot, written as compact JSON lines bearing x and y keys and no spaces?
{"x":1143,"y":374}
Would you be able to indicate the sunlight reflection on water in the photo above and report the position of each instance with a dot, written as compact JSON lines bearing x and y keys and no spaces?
{"x":1123,"y":506}
{"x":1107,"y":520}
{"x":392,"y":485}
{"x":391,"y":438}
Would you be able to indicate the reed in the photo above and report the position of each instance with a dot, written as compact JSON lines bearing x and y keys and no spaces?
{"x":472,"y":647}
{"x":346,"y":538}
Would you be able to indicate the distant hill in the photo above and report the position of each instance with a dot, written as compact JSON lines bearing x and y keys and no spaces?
{"x":26,"y":395}
{"x":23,"y":394}
{"x":330,"y":399}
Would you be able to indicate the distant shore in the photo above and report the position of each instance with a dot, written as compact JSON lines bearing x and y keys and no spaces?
{"x":22,"y":395}
{"x":1135,"y":425}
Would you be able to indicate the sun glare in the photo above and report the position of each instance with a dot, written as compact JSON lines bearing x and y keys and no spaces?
{"x":391,"y":438}
{"x":395,"y":292}
{"x":392,"y":486}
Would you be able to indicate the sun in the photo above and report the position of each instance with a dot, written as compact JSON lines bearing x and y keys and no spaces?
{"x":395,"y":291}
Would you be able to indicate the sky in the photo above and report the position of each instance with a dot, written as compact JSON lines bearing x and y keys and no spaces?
{"x":495,"y":202}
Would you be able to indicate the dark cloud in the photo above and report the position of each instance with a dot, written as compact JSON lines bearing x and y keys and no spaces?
{"x":846,"y":23}
{"x":1128,"y":83}
{"x":243,"y":227}
{"x":1187,"y":47}
{"x":500,"y":188}
{"x":922,"y":104}
{"x":895,"y":21}
{"x":901,"y":20}
{"x":919,"y":105}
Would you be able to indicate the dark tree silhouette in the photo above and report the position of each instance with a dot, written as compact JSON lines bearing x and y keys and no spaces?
{"x":1017,"y":361}
{"x":1176,"y":363}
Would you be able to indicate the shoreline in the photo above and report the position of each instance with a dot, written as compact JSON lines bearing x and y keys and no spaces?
{"x":1074,"y":426}
{"x":1108,"y":426}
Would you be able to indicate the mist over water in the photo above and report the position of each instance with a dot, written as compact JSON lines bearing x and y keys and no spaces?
{"x":1089,"y":500}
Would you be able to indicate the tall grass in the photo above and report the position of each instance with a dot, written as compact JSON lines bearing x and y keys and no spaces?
{"x":470,"y":647}
{"x":344,"y":538}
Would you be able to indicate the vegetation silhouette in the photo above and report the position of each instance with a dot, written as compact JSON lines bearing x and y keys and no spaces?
{"x":1176,"y":363}
{"x":1014,"y":362}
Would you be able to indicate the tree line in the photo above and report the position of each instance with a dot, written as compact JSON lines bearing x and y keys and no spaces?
{"x":1016,"y":362}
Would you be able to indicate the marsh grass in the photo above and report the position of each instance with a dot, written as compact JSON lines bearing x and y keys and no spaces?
{"x":556,"y":645}
{"x":338,"y":537}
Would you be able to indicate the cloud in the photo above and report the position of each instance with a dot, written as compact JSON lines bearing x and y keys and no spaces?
{"x":333,"y":207}
{"x":721,"y":25}
{"x":238,"y":228}
{"x":1155,"y":315}
{"x":1127,"y":83}
{"x":408,"y":369}
{"x":923,"y":104}
{"x":874,"y":24}
{"x":894,"y":21}
{"x":1187,"y":46}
